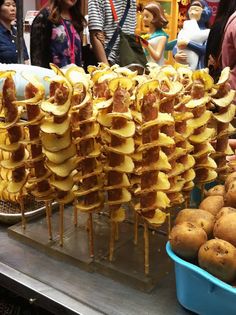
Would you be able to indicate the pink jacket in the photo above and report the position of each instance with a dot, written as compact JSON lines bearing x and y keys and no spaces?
{"x":229,"y":48}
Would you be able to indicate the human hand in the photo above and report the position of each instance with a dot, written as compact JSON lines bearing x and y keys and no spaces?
{"x":182,"y":43}
{"x":181,"y":57}
{"x":144,"y":42}
{"x":101,"y":36}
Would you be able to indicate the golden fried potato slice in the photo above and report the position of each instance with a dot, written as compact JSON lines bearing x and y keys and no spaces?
{"x":123,"y":82}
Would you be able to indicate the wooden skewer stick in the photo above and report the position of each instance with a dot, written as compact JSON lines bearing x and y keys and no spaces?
{"x":90,"y":234}
{"x":112,"y":241}
{"x":202,"y":191}
{"x":186,"y":203}
{"x":22,"y":208}
{"x":116,"y":231}
{"x":135,"y":228}
{"x":49,"y":216}
{"x":61,"y":224}
{"x":146,"y":249}
{"x":169,"y":224}
{"x":75,"y":215}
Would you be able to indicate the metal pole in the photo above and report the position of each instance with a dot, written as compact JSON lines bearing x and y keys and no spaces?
{"x":20,"y":31}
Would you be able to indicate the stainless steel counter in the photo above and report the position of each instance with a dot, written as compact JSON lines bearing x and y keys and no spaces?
{"x":65,"y":289}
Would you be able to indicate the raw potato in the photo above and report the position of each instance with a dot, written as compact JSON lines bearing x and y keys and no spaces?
{"x":225,"y":228}
{"x":230,"y":197}
{"x":201,"y":218}
{"x":212,"y":204}
{"x":218,"y":190}
{"x":224,"y":211}
{"x":229,"y":179}
{"x":218,"y":257}
{"x":186,"y":239}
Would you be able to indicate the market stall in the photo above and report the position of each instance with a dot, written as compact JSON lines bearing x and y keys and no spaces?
{"x":98,"y":168}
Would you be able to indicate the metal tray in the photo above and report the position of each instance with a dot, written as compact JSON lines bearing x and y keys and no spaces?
{"x":10,"y":211}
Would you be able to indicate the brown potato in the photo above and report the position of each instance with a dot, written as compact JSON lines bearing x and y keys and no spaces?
{"x":186,"y":239}
{"x":218,"y":257}
{"x":230,"y":196}
{"x":225,"y":228}
{"x":199,"y":217}
{"x":224,"y":211}
{"x":218,"y":190}
{"x":212,"y":204}
{"x":229,"y":179}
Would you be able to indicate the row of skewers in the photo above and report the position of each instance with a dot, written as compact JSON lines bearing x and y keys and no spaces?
{"x":113,"y":138}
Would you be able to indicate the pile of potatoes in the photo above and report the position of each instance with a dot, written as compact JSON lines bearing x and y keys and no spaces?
{"x":208,"y":235}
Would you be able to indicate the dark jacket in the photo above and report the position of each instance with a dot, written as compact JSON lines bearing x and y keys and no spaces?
{"x":40,"y":37}
{"x":8,"y":49}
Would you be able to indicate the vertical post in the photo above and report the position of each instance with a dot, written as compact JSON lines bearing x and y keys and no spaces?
{"x":20,"y":31}
{"x":61,"y":223}
{"x":135,"y":227}
{"x":146,"y":248}
{"x":91,"y":236}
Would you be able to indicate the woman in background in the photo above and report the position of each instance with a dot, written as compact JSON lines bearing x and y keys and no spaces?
{"x":56,"y":34}
{"x":213,"y":50}
{"x":8,"y":33}
{"x":156,"y":40}
{"x":229,"y":49}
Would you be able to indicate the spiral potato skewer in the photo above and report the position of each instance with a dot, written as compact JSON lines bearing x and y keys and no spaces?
{"x":16,"y":162}
{"x":85,"y":132}
{"x":119,"y":149}
{"x":224,"y":113}
{"x":153,"y":180}
{"x":205,"y":166}
{"x":57,"y":143}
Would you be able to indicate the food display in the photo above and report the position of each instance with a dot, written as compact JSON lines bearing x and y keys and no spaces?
{"x":215,"y":254}
{"x":123,"y":144}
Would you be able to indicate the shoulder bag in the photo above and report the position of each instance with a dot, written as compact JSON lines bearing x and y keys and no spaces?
{"x":130,"y":48}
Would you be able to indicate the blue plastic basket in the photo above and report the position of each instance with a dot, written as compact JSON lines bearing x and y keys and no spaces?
{"x":199,"y":291}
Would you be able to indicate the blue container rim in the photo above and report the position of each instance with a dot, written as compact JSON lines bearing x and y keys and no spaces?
{"x":199,"y":270}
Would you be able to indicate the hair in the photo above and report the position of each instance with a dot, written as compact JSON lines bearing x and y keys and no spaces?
{"x":78,"y":20}
{"x":159,"y":19}
{"x":225,"y":9}
{"x":2,"y":1}
{"x":206,"y":13}
{"x":197,"y":3}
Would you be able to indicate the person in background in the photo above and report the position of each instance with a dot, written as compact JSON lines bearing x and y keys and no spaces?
{"x":87,"y":50}
{"x":154,"y":46}
{"x":201,"y":12}
{"x":8,"y":33}
{"x":56,"y":34}
{"x":102,"y":26}
{"x":229,"y":60}
{"x":229,"y":49}
{"x":213,"y":49}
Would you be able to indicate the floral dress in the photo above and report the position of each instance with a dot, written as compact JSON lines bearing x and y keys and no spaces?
{"x":50,"y":43}
{"x":60,"y":44}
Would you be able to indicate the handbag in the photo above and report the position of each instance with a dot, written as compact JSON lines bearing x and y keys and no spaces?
{"x":130,"y":48}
